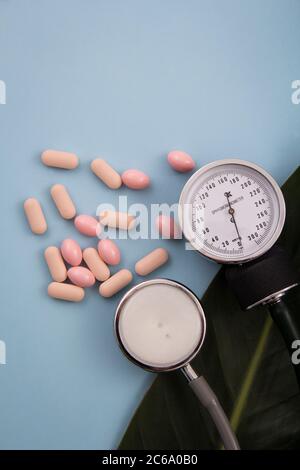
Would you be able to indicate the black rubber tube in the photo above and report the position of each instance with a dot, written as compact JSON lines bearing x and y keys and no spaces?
{"x":289,"y":328}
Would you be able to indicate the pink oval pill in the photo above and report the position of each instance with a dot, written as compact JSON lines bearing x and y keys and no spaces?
{"x":167,"y":227}
{"x":71,"y":252}
{"x":81,"y":277}
{"x":109,"y":252}
{"x":87,"y":225}
{"x":181,"y":161}
{"x":135,"y":179}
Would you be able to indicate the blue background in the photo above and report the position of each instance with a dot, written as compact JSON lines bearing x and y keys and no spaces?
{"x":128,"y":80}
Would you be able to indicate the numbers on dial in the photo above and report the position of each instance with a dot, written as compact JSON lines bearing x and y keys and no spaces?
{"x":234,"y":180}
{"x":262,"y":214}
{"x":252,"y":236}
{"x":235,"y":211}
{"x":210,"y":186}
{"x":255,"y":192}
{"x":231,"y":213}
{"x":261,"y":225}
{"x":246,"y":184}
{"x":260,"y":202}
{"x":222,"y":180}
{"x":203,"y":196}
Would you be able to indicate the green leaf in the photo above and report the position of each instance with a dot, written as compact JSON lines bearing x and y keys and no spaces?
{"x":245,"y":361}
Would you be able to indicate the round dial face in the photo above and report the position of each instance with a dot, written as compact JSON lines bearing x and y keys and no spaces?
{"x":231,"y":211}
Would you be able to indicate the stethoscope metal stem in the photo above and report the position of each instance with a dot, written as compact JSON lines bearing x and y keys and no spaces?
{"x":189,"y":373}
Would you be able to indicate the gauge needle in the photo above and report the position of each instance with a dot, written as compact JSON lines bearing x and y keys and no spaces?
{"x":231,"y":212}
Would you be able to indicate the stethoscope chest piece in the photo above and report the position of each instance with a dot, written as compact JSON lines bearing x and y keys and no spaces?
{"x":160,"y":326}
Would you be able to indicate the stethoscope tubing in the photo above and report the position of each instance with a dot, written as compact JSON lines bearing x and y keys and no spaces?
{"x":209,"y":400}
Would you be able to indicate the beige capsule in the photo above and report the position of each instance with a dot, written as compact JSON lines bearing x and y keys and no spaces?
{"x":115,"y":283}
{"x":152,"y":261}
{"x":96,"y":264}
{"x":55,"y":264}
{"x":35,"y":216}
{"x":62,"y":291}
{"x":58,"y":159}
{"x":106,"y":173}
{"x":63,"y":201}
{"x":121,"y":220}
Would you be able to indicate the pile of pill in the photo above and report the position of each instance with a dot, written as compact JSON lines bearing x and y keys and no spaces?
{"x":72,"y":269}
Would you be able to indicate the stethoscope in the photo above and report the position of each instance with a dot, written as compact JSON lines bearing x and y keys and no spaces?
{"x":160,"y":326}
{"x":233,"y":212}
